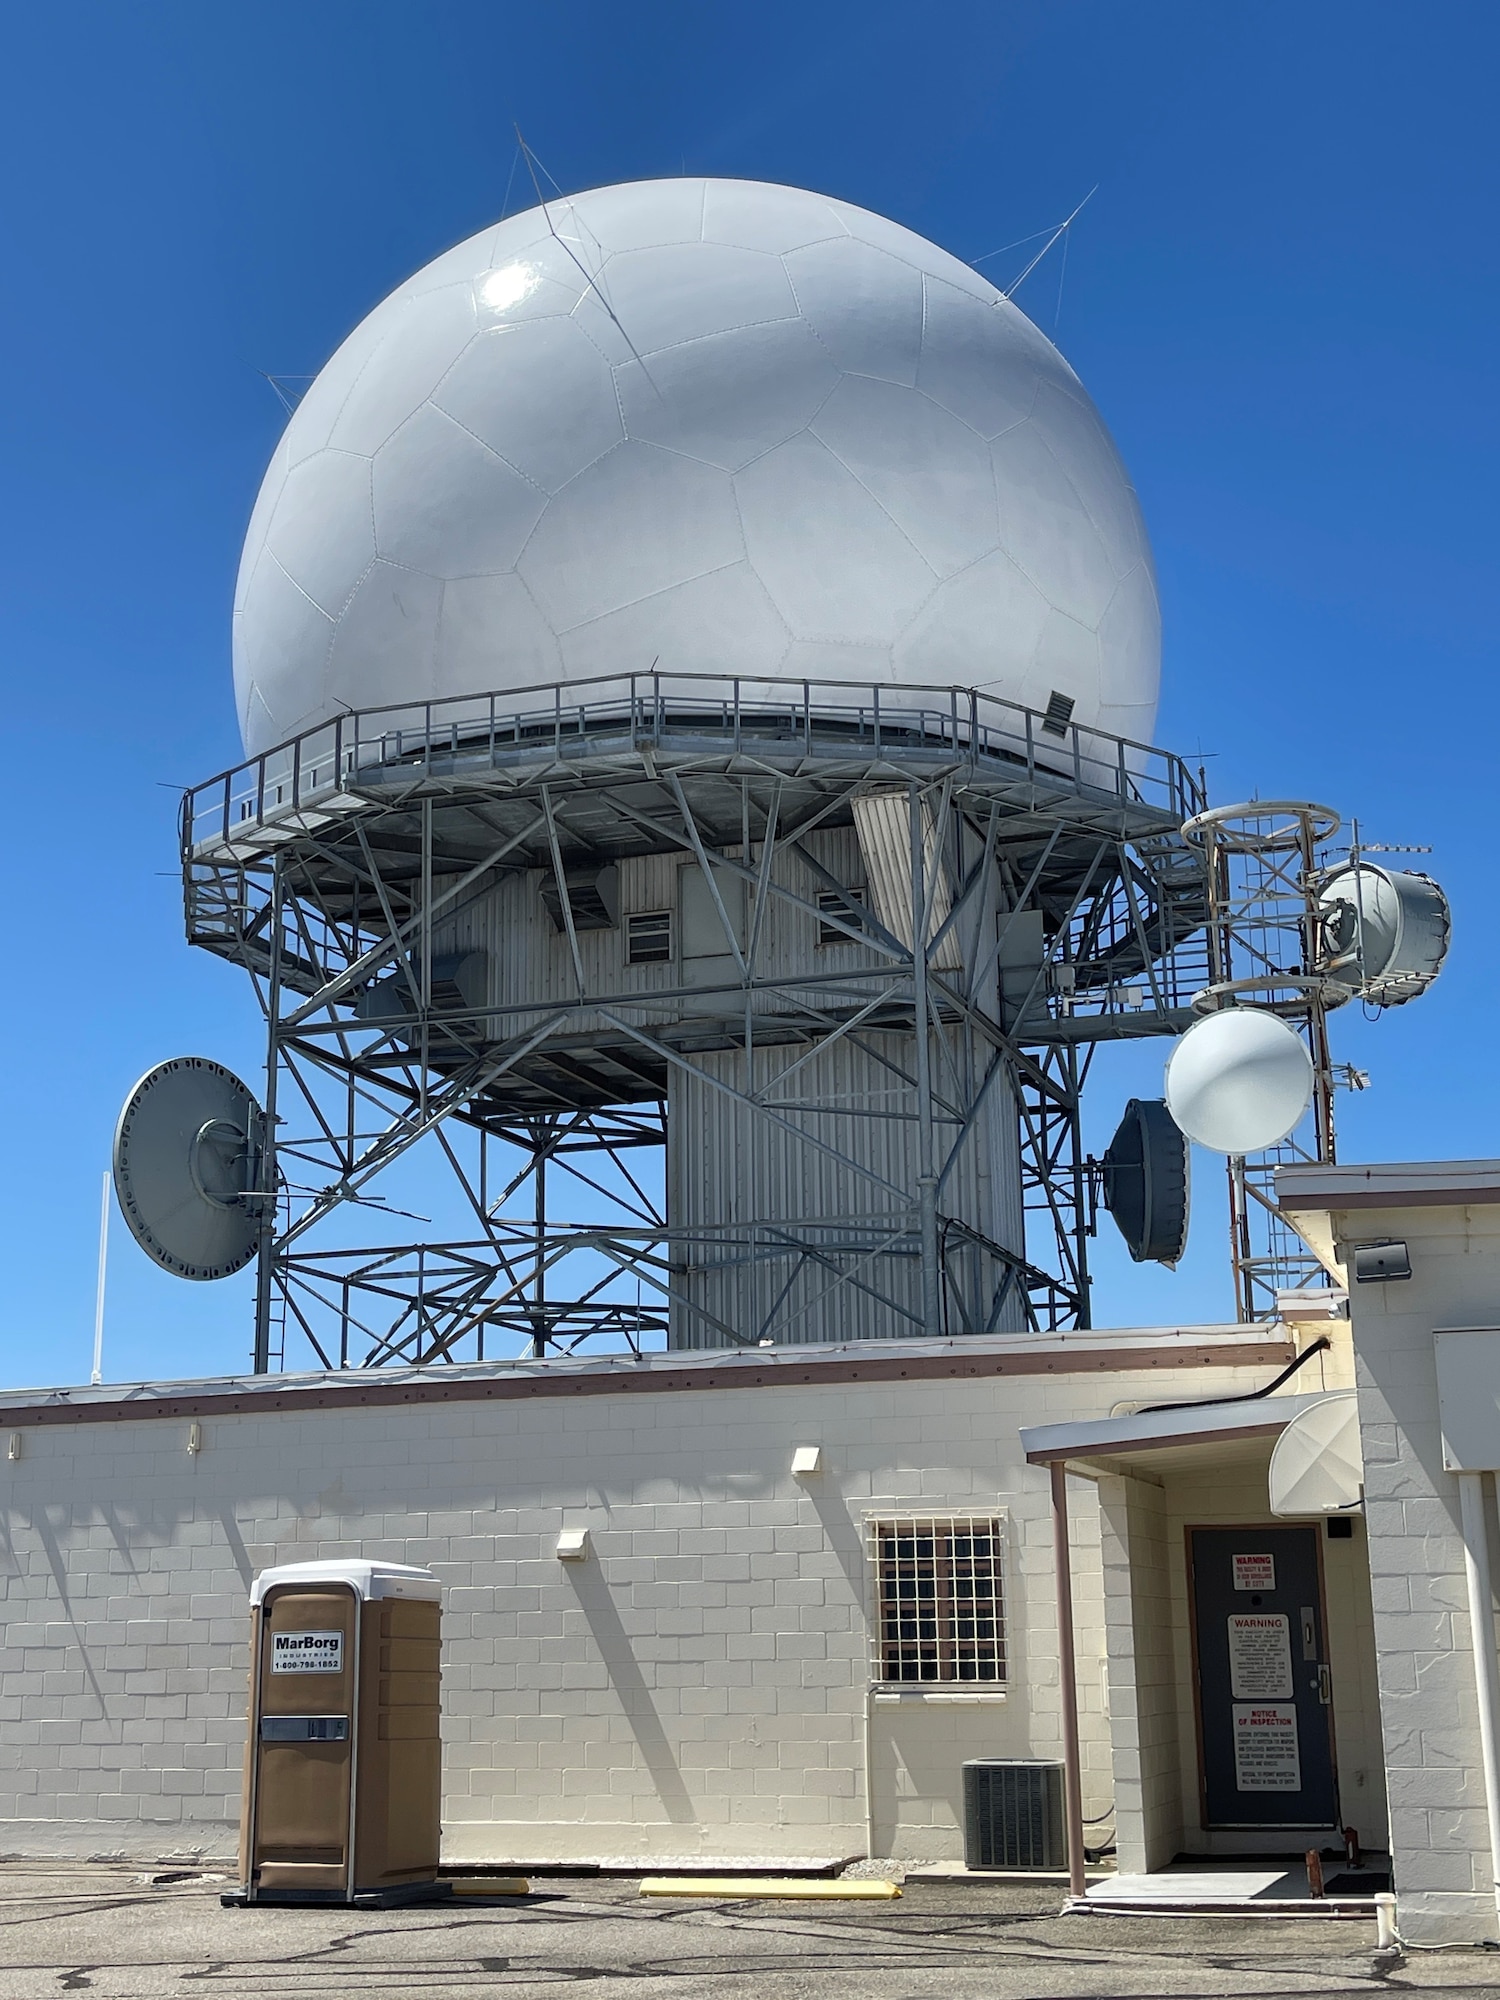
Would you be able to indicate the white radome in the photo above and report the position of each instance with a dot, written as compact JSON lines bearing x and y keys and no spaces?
{"x":1239,"y":1081}
{"x":709,"y":426}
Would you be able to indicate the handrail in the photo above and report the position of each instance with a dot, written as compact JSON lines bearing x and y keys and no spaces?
{"x":322,"y":760}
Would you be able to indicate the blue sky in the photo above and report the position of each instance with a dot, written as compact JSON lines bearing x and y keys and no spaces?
{"x":1282,"y":298}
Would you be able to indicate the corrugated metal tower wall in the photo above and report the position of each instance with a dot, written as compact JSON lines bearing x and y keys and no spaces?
{"x":793,"y":1154}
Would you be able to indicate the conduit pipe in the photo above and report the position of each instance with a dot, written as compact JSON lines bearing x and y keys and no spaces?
{"x":1067,"y":1679}
{"x":869,"y":1755}
{"x":1486,"y":1666}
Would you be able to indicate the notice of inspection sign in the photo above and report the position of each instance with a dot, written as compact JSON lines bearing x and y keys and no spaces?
{"x":1266,"y":1757}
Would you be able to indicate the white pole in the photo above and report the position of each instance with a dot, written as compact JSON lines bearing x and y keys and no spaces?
{"x":869,"y":1753}
{"x":1068,"y":1680}
{"x":1482,"y":1638}
{"x":98,"y":1374}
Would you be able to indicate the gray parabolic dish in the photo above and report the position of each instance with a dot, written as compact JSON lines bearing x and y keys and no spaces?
{"x":185,"y":1164}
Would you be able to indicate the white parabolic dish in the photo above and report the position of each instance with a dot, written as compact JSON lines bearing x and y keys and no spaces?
{"x":1239,"y":1081}
{"x":1317,"y":1466}
{"x":711,"y":426}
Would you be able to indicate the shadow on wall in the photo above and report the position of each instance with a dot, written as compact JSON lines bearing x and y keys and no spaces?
{"x":60,"y":1535}
{"x":46,"y":1534}
{"x":843,"y":1534}
{"x":629,"y":1683}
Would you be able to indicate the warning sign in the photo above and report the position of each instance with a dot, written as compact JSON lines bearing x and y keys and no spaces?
{"x":1254,"y":1572}
{"x":1260,"y":1656}
{"x":307,"y":1652}
{"x":1266,"y":1757}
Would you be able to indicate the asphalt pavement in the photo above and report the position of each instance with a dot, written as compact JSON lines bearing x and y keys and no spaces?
{"x":119,"y":1934}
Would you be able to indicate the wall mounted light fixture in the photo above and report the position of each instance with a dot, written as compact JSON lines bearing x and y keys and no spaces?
{"x":1380,"y":1263}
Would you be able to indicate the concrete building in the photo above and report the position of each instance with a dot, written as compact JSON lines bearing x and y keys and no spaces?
{"x":1427,"y":1369}
{"x":812,"y":1582}
{"x":742,"y":1664}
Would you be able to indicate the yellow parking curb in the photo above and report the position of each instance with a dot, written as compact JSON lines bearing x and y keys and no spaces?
{"x":490,"y":1885}
{"x":789,"y":1888}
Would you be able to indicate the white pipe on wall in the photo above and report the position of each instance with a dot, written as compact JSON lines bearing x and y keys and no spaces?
{"x":869,"y":1752}
{"x":1486,"y":1665}
{"x":1068,"y":1679}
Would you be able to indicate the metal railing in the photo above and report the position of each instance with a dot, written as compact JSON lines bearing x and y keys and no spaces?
{"x":462,"y":735}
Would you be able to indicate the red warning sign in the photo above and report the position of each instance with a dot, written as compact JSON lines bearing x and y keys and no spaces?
{"x":1254,"y":1572}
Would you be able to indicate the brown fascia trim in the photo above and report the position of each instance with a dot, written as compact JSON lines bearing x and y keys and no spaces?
{"x":1409,"y":1197}
{"x":1446,"y":1184}
{"x":1116,"y":1448}
{"x":369,"y":1393}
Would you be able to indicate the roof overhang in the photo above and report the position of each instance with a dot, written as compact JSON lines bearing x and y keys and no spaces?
{"x":1311,"y":1196}
{"x":1167,"y":1439}
{"x":1391,"y":1184}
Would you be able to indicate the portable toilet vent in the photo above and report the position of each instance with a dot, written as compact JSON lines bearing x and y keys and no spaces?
{"x":343,"y":1767}
{"x":1013,"y":1814}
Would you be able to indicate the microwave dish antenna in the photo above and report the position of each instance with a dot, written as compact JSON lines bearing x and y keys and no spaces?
{"x":1385,"y":932}
{"x":1239,"y":1081}
{"x":1147,"y":1175}
{"x":1317,"y":1466}
{"x":186,"y":1161}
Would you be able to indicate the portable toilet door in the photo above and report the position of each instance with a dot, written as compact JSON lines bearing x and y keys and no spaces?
{"x":343,"y":1766}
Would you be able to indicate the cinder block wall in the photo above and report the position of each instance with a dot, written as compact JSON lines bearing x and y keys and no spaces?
{"x":697,"y":1688}
{"x":1428,"y":1701}
{"x":1149,"y":1618}
{"x":1143,"y":1673}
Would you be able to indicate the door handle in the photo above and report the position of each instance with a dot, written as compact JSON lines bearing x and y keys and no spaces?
{"x":1325,"y":1686}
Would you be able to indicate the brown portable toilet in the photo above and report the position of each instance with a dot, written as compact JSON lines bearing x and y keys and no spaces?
{"x":343,"y":1766}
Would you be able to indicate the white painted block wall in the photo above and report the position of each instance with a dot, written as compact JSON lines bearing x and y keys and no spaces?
{"x":1428,"y":1700}
{"x":696,"y":1688}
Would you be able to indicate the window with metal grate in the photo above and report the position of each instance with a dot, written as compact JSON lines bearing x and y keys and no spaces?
{"x":939,"y":1601}
{"x":648,"y":938}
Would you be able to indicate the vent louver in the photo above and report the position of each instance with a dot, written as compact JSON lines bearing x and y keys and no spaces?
{"x":1059,"y":713}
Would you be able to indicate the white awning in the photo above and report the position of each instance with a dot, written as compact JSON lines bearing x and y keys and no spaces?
{"x":1159,"y":1430}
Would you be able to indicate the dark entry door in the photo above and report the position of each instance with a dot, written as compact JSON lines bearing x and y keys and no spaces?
{"x":1265,"y":1720}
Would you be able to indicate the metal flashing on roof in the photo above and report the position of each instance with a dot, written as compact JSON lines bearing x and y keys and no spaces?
{"x":974,"y":1357}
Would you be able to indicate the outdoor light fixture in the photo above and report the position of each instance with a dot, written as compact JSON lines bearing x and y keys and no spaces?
{"x":1380,"y":1263}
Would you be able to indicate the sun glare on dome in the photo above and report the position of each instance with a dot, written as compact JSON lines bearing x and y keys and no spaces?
{"x":508,"y":286}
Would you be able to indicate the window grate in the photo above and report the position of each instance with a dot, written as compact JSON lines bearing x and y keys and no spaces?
{"x":939,"y":1601}
{"x":835,"y":903}
{"x":648,"y":938}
